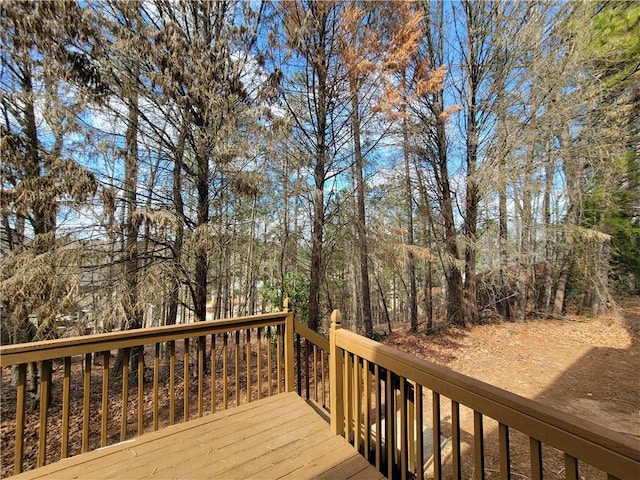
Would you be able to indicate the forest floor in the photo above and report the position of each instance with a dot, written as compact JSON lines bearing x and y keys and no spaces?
{"x":587,"y":367}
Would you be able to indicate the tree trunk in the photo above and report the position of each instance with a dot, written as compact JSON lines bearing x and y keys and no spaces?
{"x":363,"y":250}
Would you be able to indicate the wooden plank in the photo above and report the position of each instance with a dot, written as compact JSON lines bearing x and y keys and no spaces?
{"x":277,"y":466}
{"x":222,"y":424}
{"x":232,"y":442}
{"x":249,"y":441}
{"x":243,"y":456}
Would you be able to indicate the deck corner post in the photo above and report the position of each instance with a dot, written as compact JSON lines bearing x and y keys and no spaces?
{"x":336,"y":369}
{"x":288,"y":346}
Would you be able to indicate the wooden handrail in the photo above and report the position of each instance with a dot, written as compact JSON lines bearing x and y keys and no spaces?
{"x":605,"y":449}
{"x":70,"y":346}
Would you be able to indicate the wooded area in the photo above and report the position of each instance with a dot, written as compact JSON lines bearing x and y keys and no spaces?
{"x":424,"y":162}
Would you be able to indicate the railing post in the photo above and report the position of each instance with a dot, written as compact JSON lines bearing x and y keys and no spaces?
{"x":336,"y":369}
{"x":288,"y":347}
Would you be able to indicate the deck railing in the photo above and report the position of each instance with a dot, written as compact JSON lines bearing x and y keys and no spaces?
{"x":312,"y":367}
{"x":200,"y":367}
{"x":377,"y":395}
{"x":381,"y":400}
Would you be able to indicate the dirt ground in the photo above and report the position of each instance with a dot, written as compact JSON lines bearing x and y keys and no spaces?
{"x":587,"y":367}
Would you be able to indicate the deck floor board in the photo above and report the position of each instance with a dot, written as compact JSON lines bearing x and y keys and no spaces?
{"x":275,"y":437}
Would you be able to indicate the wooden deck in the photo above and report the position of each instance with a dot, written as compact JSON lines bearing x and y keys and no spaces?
{"x":276,"y":437}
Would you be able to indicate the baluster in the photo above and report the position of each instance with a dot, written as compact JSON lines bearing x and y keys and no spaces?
{"x":213,"y":373}
{"x":306,"y":369}
{"x":505,"y":461}
{"x":141,"y":390}
{"x":437,"y":432}
{"x":455,"y":439}
{"x":259,"y":361}
{"x":105,"y":398}
{"x":323,"y":388}
{"x":125,"y":393}
{"x":225,"y":382}
{"x":236,"y":358}
{"x":357,"y":401}
{"x":367,"y":410}
{"x":156,"y":378}
{"x":66,"y":392}
{"x":571,"y":467}
{"x":279,"y":348}
{"x":403,"y":428}
{"x":378,"y":394}
{"x":478,"y":445}
{"x":86,"y":402}
{"x":315,"y":373}
{"x":248,"y":349}
{"x":348,"y":396}
{"x":201,"y":345}
{"x":45,"y":386}
{"x":185,"y":383}
{"x":298,"y":365}
{"x":390,"y":417}
{"x":419,"y":421}
{"x":269,"y":363}
{"x":172,"y":382}
{"x":535,"y":447}
{"x":21,"y":390}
